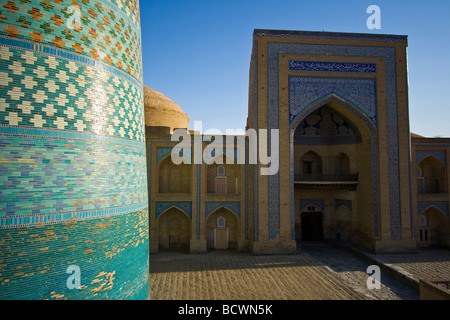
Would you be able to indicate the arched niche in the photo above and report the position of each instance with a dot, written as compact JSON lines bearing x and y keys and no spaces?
{"x":431,"y":176}
{"x":173,"y":178}
{"x":174,"y":229}
{"x":222,"y":175}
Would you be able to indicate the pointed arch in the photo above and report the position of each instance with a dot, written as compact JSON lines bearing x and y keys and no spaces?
{"x":232,"y":227}
{"x":226,"y":183}
{"x":437,"y":229}
{"x":173,"y":178}
{"x":311,"y":163}
{"x":436,"y":207}
{"x":173,"y":229}
{"x":159,"y":214}
{"x":342,"y":163}
{"x":220,"y":208}
{"x":368,"y":132}
{"x":433,"y":175}
{"x":331,"y":99}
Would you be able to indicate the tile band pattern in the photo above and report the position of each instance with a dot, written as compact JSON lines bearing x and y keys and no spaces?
{"x":41,"y":91}
{"x":325,"y":66}
{"x":102,"y":30}
{"x":66,"y":55}
{"x":18,"y":221}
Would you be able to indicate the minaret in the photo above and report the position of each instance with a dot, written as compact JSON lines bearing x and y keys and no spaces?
{"x":73,"y":188}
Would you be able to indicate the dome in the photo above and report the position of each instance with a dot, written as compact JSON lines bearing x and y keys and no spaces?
{"x":160,"y":111}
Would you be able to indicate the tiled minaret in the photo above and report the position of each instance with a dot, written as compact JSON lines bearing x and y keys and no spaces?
{"x":73,"y":190}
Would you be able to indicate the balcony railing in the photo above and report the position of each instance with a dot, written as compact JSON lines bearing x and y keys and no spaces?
{"x":332,"y":178}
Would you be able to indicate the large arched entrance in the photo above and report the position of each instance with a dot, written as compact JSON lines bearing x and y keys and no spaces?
{"x":433,"y":228}
{"x":332,"y":179}
{"x":431,"y":176}
{"x":174,"y":230}
{"x":222,"y":229}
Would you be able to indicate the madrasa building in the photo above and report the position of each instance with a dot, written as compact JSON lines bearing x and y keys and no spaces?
{"x":349,"y":168}
{"x":88,"y":186}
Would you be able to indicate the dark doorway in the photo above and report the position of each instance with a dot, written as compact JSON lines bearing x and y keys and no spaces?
{"x":312,"y":226}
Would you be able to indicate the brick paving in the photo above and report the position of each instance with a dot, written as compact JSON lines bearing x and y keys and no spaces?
{"x":228,"y":275}
{"x":352,"y":270}
{"x":423,"y":264}
{"x":323,"y":272}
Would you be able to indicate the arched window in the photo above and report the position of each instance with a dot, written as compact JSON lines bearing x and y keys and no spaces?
{"x":221,"y":180}
{"x":311,"y":163}
{"x":422,"y":221}
{"x":221,"y":171}
{"x":221,"y":222}
{"x":342,"y":164}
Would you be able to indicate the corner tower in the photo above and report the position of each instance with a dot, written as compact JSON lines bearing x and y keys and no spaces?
{"x":73,"y":192}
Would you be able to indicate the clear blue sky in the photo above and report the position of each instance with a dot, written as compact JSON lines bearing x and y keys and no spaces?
{"x":197,"y":52}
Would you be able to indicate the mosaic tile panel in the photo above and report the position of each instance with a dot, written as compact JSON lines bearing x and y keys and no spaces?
{"x":46,"y":175}
{"x":342,"y":203}
{"x":198,"y":196}
{"x":162,"y":206}
{"x":255,"y":126}
{"x":438,"y":154}
{"x":108,"y":251}
{"x":424,"y":205}
{"x":319,"y":203}
{"x":162,"y":152}
{"x":360,"y":92}
{"x":41,"y":91}
{"x":108,"y":31}
{"x":325,"y":66}
{"x":211,"y":206}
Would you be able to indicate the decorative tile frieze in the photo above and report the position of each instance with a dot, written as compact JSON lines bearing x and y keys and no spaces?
{"x":438,"y":154}
{"x":325,"y":66}
{"x":162,"y":206}
{"x":440,"y":205}
{"x":234,"y":206}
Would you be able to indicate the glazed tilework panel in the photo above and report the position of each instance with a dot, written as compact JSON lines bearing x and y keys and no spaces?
{"x":42,"y":91}
{"x":423,"y":154}
{"x":255,"y":126}
{"x":319,"y":203}
{"x":441,"y":205}
{"x":342,"y":203}
{"x":162,"y":206}
{"x":360,"y":92}
{"x":109,"y":31}
{"x":320,"y":66}
{"x":108,"y":251}
{"x":73,"y":163}
{"x":47,"y":175}
{"x":211,"y":206}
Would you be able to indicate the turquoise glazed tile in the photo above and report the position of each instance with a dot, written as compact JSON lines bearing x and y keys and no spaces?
{"x":73,"y":187}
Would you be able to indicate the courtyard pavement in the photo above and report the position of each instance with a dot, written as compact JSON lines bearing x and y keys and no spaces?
{"x":316,"y":272}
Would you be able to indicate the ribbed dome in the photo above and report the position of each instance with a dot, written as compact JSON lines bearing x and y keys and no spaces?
{"x":161,"y":111}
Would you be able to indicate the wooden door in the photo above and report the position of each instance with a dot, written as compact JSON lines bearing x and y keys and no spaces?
{"x":221,"y":238}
